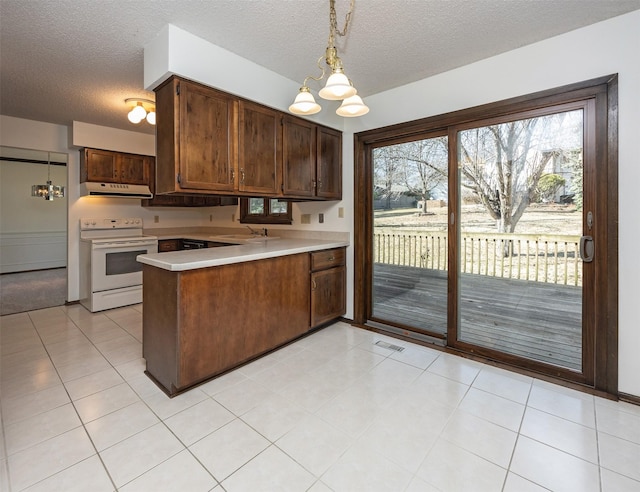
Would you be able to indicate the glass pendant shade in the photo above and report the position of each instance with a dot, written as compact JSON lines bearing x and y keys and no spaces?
{"x":48,"y":191}
{"x":137,"y":114}
{"x":304,"y":103}
{"x":352,"y":106}
{"x":337,"y":87}
{"x":151,"y":117}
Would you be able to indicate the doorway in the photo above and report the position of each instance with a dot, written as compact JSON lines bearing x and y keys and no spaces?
{"x":33,"y":231}
{"x":489,"y":231}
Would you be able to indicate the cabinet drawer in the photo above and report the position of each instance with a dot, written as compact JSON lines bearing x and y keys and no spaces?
{"x":321,"y":260}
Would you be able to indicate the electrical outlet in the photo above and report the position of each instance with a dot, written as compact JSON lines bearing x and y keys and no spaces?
{"x":210,"y":217}
{"x":341,"y":212}
{"x":321,"y":218}
{"x":156,"y":218}
{"x":305,"y":219}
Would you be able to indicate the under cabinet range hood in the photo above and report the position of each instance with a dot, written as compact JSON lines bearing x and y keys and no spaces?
{"x":115,"y":190}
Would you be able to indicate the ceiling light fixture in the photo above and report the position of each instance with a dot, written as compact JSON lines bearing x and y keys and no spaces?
{"x":48,"y":191}
{"x":141,"y":109}
{"x":338,"y":86}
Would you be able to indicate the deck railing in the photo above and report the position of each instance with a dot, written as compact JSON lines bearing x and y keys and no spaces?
{"x":551,"y":259}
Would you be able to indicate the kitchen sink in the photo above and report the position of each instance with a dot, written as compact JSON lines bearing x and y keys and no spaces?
{"x":242,"y":238}
{"x":261,"y":239}
{"x":232,"y":236}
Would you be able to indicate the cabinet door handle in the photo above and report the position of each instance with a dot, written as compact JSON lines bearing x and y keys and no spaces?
{"x":319,"y":184}
{"x":242,"y":176}
{"x":233,"y":175}
{"x":331,"y":258}
{"x":313,"y":285}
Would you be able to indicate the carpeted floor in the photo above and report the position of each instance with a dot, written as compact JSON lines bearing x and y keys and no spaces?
{"x":28,"y":291}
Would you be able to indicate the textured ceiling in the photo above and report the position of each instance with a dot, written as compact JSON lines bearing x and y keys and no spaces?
{"x":65,"y":60}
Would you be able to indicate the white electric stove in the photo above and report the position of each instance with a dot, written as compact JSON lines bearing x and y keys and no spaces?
{"x":110,"y":275}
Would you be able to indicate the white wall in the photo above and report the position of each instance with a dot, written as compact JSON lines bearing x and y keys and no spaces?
{"x":33,"y":231}
{"x":602,"y":49}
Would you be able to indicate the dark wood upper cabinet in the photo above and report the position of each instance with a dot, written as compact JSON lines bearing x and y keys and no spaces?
{"x":329,"y":164}
{"x":312,"y":160}
{"x":299,"y":157}
{"x":259,"y":149}
{"x":211,"y":142}
{"x":195,"y":138}
{"x":105,"y":166}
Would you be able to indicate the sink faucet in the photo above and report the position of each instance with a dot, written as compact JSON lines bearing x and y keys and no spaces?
{"x":257,"y":233}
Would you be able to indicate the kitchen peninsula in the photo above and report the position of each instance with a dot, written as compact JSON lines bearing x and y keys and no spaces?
{"x":207,"y":311}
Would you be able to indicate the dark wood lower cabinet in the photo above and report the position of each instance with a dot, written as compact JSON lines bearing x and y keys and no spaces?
{"x":200,"y":323}
{"x":328,"y":286}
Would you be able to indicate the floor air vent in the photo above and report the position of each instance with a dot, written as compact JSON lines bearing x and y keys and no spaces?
{"x":386,"y":345}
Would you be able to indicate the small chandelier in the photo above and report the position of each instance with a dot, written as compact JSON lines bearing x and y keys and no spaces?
{"x":141,"y":109}
{"x":338,"y":86}
{"x":48,"y":191}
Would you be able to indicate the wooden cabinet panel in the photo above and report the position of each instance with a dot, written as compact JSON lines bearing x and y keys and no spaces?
{"x":312,"y":163}
{"x":134,"y":169}
{"x":104,"y":166}
{"x":329,"y":164}
{"x":207,"y":129}
{"x":321,"y":260}
{"x":211,"y":327}
{"x":327,"y":295}
{"x":259,"y":149}
{"x":299,"y":157}
{"x":210,"y":142}
{"x":328,"y":285}
{"x":196,"y":129}
{"x":99,"y":165}
{"x":213,"y":319}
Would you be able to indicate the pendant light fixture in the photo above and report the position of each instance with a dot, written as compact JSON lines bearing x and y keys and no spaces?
{"x":141,"y":109}
{"x":48,"y":191}
{"x":338,"y":86}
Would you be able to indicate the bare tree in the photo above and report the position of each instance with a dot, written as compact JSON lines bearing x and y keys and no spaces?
{"x":502,"y":164}
{"x":415,"y":168}
{"x":426,"y":167}
{"x":387,"y":171}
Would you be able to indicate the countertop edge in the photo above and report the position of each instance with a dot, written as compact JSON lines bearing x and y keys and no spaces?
{"x":179,"y":261}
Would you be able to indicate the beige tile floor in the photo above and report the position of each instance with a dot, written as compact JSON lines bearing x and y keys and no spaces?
{"x":332,"y":411}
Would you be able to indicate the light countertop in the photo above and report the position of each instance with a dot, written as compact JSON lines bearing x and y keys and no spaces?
{"x":178,"y":261}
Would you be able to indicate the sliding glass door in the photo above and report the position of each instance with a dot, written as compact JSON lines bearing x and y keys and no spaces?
{"x":521,"y":202}
{"x":409,"y":240}
{"x":493,"y":231}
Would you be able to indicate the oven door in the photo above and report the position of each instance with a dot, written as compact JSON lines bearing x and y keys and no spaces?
{"x":114,"y":265}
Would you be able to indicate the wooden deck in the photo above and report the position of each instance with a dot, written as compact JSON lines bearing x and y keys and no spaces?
{"x":530,"y":319}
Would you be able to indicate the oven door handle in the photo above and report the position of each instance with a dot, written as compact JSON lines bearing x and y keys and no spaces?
{"x":120,"y":244}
